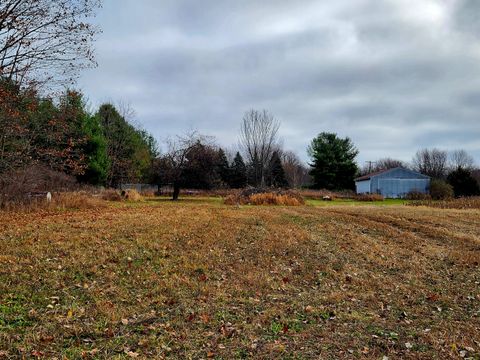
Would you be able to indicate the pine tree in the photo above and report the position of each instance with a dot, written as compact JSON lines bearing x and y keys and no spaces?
{"x":276,"y":174}
{"x":223,"y":168}
{"x":238,"y":175}
{"x":95,"y":150}
{"x":333,"y":162}
{"x":463,"y":183}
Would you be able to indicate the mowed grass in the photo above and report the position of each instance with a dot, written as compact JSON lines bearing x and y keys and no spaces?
{"x":198,"y":279}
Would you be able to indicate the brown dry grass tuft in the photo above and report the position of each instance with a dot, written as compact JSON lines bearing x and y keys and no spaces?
{"x":460,"y":203}
{"x":76,"y":200}
{"x":265,"y":197}
{"x":346,"y":194}
{"x":132,"y":195}
{"x":148,"y":193}
{"x":369,"y":197}
{"x":111,"y":195}
{"x":275,"y":199}
{"x":64,"y":200}
{"x":320,"y":194}
{"x":415,"y":195}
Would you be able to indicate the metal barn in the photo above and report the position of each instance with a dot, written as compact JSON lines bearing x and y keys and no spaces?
{"x":393,"y":183}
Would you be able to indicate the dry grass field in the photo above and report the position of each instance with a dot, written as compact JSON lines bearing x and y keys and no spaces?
{"x":199,"y":279}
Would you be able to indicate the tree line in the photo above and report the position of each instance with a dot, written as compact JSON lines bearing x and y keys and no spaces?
{"x":100,"y":148}
{"x":196,"y":161}
{"x":44,"y":44}
{"x":104,"y":148}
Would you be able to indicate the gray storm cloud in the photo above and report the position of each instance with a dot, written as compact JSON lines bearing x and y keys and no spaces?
{"x":392,"y":75}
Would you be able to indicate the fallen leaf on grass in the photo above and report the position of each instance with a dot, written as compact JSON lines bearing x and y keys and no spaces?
{"x":309,"y":309}
{"x":36,"y":353}
{"x":46,"y":338}
{"x":227,"y":330}
{"x":205,"y":318}
{"x":190,"y":317}
{"x":132,"y":354}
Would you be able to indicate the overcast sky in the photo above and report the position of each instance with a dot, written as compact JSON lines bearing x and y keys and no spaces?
{"x":393,"y":75}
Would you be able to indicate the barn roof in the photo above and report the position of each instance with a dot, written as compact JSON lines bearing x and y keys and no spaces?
{"x":373,"y":174}
{"x":368,"y":176}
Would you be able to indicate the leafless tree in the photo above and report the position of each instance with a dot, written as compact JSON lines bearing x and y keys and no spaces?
{"x":461,"y":159}
{"x":382,"y":164}
{"x":175,"y":160}
{"x":127,"y":111}
{"x":431,"y":162}
{"x":389,"y":163}
{"x":296,"y":173}
{"x":44,"y":39}
{"x":258,"y":138}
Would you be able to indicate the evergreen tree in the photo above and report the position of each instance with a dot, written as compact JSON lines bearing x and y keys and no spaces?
{"x":332,"y":162}
{"x":223,"y":168}
{"x":238,"y":178}
{"x":276,"y":174}
{"x":95,"y":150}
{"x":129,"y":150}
{"x":86,"y":137}
{"x":149,"y":174}
{"x":463,"y":183}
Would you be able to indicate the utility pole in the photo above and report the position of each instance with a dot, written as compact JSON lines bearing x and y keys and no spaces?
{"x":370,"y":165}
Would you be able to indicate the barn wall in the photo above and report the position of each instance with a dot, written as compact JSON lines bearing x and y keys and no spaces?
{"x":398,"y":188}
{"x":399,"y":182}
{"x":363,"y":187}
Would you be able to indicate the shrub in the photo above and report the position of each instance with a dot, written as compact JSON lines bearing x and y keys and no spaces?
{"x":21,"y":186}
{"x":255,"y":196}
{"x":440,"y":190}
{"x":463,"y":183}
{"x":416,"y":195}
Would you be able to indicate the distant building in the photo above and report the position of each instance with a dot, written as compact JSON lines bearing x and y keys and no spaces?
{"x":393,"y":183}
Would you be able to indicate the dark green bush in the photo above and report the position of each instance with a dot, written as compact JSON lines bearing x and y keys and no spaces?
{"x":440,"y":190}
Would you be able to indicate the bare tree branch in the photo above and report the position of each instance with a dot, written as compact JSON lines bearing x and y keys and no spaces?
{"x":259,"y":137}
{"x":41,"y":40}
{"x":461,"y":159}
